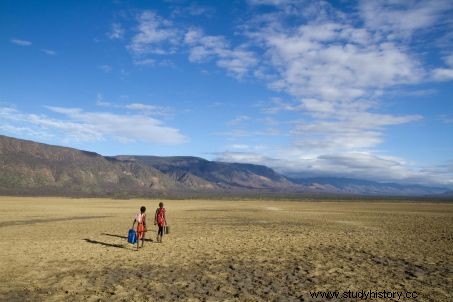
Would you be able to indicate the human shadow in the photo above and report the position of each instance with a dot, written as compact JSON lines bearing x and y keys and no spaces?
{"x":35,"y":221}
{"x":104,"y":243}
{"x":123,"y":237}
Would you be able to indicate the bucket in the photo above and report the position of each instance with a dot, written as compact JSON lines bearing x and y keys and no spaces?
{"x":167,"y":229}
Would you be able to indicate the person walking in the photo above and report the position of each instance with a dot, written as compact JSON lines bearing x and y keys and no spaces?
{"x":160,"y":220}
{"x":140,"y":218}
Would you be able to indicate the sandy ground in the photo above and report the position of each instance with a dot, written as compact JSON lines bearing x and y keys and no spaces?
{"x":55,"y":249}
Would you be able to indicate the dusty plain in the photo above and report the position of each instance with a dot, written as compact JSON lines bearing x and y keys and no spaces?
{"x":58,"y":249}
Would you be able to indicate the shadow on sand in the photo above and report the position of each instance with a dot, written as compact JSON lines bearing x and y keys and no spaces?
{"x":35,"y":221}
{"x":104,"y":243}
{"x":124,"y":237}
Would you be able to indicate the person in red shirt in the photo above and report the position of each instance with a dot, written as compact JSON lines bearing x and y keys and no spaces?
{"x":140,"y":218}
{"x":160,"y":220}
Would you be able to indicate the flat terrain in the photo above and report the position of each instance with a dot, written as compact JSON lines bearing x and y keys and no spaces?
{"x":57,"y":249}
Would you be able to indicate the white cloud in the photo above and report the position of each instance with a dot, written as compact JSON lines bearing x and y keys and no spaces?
{"x":149,"y":109}
{"x":140,"y":107}
{"x":21,"y":42}
{"x":194,"y":10}
{"x":145,"y":109}
{"x":156,"y":35}
{"x":443,"y":74}
{"x":27,"y":131}
{"x":335,"y":127}
{"x":335,"y":62}
{"x":336,"y":71}
{"x":271,"y":2}
{"x":238,"y":146}
{"x":101,"y":102}
{"x":49,"y":52}
{"x":250,"y":133}
{"x":446,"y":73}
{"x":79,"y":125}
{"x":49,"y":126}
{"x":237,"y":61}
{"x":277,"y":105}
{"x":132,"y":128}
{"x":117,"y":31}
{"x":238,"y":120}
{"x":404,"y":17}
{"x":354,"y":164}
{"x":159,"y":36}
{"x":242,"y":157}
{"x":444,"y":169}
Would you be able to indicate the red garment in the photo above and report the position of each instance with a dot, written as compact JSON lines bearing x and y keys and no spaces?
{"x":140,"y":230}
{"x":161,"y":216}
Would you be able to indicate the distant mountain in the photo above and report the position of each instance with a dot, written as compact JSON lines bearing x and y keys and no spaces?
{"x":365,"y":187}
{"x":33,"y":168}
{"x":30,"y":168}
{"x":200,"y":173}
{"x":448,"y":194}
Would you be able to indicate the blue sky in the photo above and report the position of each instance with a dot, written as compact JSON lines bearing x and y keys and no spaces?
{"x":339,"y":88}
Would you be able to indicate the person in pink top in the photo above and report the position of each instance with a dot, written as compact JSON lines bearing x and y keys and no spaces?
{"x":140,"y":218}
{"x":160,"y":220}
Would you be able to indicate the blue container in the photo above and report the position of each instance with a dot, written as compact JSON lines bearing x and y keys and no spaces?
{"x":132,"y":236}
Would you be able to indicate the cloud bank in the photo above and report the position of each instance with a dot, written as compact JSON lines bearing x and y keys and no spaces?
{"x":77,"y":125}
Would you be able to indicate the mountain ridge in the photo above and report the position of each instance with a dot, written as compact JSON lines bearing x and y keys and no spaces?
{"x":32,"y":168}
{"x":366,"y":187}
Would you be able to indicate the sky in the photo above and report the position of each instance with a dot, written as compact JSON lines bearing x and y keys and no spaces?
{"x":359,"y":89}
